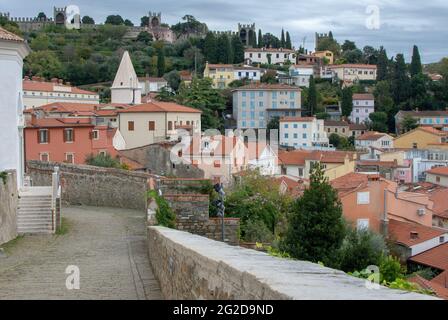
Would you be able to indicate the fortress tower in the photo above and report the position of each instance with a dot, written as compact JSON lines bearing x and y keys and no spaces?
{"x":59,"y":16}
{"x":155,"y":19}
{"x":246,"y":32}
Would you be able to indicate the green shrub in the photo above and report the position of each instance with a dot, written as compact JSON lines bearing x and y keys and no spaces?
{"x":164,"y":214}
{"x":257,"y":231}
{"x":391,"y":269}
{"x":105,"y":161}
{"x":4,"y":176}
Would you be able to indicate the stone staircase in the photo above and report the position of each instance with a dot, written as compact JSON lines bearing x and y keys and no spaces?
{"x":35,"y":212}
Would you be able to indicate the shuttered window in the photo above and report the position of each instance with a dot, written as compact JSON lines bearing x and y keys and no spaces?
{"x":151,"y":126}
{"x":131,"y":125}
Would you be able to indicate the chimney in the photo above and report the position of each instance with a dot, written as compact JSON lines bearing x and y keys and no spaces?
{"x":54,"y":80}
{"x":68,"y":83}
{"x":414,"y":235}
{"x":26,"y":78}
{"x":60,"y":81}
{"x":33,"y":118}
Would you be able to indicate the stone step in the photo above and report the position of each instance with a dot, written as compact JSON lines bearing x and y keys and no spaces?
{"x":34,"y":211}
{"x":34,"y":218}
{"x":30,"y":226}
{"x":37,"y":205}
{"x":34,"y":231}
{"x":35,"y":197}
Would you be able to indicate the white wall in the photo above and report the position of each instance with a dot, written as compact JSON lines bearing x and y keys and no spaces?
{"x":11,"y":107}
{"x":424,"y":246}
{"x":314,"y":131}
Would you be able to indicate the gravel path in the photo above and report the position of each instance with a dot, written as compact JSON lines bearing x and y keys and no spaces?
{"x":108,"y":245}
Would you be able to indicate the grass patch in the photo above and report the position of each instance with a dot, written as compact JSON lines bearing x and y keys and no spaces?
{"x":63,"y":229}
{"x":8,"y":246}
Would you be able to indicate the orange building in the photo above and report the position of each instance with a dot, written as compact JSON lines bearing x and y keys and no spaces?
{"x":67,"y":140}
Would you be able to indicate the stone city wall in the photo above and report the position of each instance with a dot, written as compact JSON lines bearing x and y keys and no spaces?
{"x":191,"y":267}
{"x":8,"y":207}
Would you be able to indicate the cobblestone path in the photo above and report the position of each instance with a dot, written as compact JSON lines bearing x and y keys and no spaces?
{"x":107,"y":244}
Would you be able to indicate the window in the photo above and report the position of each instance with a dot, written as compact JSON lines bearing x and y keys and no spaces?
{"x":243,"y":94}
{"x":95,"y":134}
{"x":442,"y":239}
{"x":69,"y":135}
{"x":300,"y":172}
{"x":286,"y":136}
{"x":130,"y":125}
{"x":70,"y":158}
{"x":304,"y":136}
{"x":217,"y":164}
{"x":362,"y":224}
{"x":260,"y":94}
{"x":151,"y":125}
{"x":43,"y":136}
{"x":363,"y":197}
{"x":304,"y":126}
{"x":414,"y":145}
{"x":296,"y":135}
{"x":437,"y":179}
{"x":260,"y":104}
{"x":170,"y":125}
{"x":44,"y":156}
{"x":295,"y":125}
{"x":286,"y":126}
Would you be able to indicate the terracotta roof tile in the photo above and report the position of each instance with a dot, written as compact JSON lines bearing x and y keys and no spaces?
{"x":158,"y":106}
{"x":298,"y":157}
{"x":371,"y":135}
{"x":352,"y":181}
{"x":44,"y":86}
{"x":59,"y":122}
{"x":441,"y":171}
{"x":441,"y":291}
{"x":335,"y":123}
{"x":277,"y":50}
{"x":401,"y":232}
{"x":9,"y":36}
{"x":357,"y":126}
{"x":363,"y":96}
{"x":436,"y":257}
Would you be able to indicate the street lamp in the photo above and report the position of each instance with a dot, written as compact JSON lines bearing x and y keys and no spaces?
{"x":219,"y":204}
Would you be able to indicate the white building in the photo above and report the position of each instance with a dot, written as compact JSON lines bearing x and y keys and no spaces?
{"x":247,"y":72}
{"x":152,"y":84}
{"x":352,"y":73}
{"x":301,"y":75}
{"x":38,"y":92}
{"x":373,"y":139}
{"x":269,"y":56}
{"x":126,"y":87}
{"x":303,"y":133}
{"x":363,"y":106}
{"x":263,"y":157}
{"x":13,"y":50}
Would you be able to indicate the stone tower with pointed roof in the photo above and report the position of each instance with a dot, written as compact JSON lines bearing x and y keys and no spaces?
{"x":126,"y":88}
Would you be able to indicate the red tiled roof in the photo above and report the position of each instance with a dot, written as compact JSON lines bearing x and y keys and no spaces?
{"x":297,"y":119}
{"x":440,"y":199}
{"x":295,"y":188}
{"x":352,"y":181}
{"x":440,"y":290}
{"x":433,"y":130}
{"x":86,"y":109}
{"x":214,"y":66}
{"x":298,"y":157}
{"x":357,"y":126}
{"x":152,"y":79}
{"x":335,"y":123}
{"x":401,"y":232}
{"x":30,"y":85}
{"x":383,"y":164}
{"x":363,"y":66}
{"x":9,"y":36}
{"x":267,"y":86}
{"x":371,"y":135}
{"x":278,"y":50}
{"x":436,"y":257}
{"x":440,"y":171}
{"x":363,"y":96}
{"x":59,"y":122}
{"x":158,"y":106}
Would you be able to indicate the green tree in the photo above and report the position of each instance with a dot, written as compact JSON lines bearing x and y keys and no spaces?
{"x":348,"y":46}
{"x":165,"y":216}
{"x":173,"y":79}
{"x":316,"y":228}
{"x":210,"y":48}
{"x":416,"y":64}
{"x":418,"y":90}
{"x":385,"y":103}
{"x":409,"y":123}
{"x":382,"y":66}
{"x":87,"y":20}
{"x":103,"y":160}
{"x":202,"y":96}
{"x":260,"y":39}
{"x":347,"y":101}
{"x":144,"y":21}
{"x":42,"y":16}
{"x":378,"y":121}
{"x":312,"y":97}
{"x":238,"y":50}
{"x":128,"y":23}
{"x":224,"y":54}
{"x":114,"y":20}
{"x":283,"y":40}
{"x":400,"y":80}
{"x":145,"y":37}
{"x":160,"y":62}
{"x":288,"y":41}
{"x":44,"y":64}
{"x":252,"y":39}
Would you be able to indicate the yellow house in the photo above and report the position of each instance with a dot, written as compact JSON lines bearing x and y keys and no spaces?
{"x":421,"y":138}
{"x":221,"y":74}
{"x":327,"y":54}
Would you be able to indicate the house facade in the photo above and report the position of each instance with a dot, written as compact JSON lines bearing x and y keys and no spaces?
{"x":340,"y":128}
{"x":224,"y":74}
{"x":326,"y":54}
{"x":255,"y":105}
{"x":363,"y":106}
{"x":38,"y":92}
{"x":155,"y":122}
{"x":438,"y":176}
{"x":353,"y":73}
{"x":13,"y":50}
{"x":152,"y":84}
{"x":421,"y":138}
{"x":303,"y":133}
{"x":374,"y":139}
{"x":432,"y":118}
{"x":269,"y":56}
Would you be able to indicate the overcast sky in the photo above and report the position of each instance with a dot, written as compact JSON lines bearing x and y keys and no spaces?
{"x":402,"y":23}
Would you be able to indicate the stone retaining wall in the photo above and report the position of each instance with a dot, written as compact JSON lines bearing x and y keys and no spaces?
{"x":8,"y":207}
{"x":193,"y":267}
{"x":94,"y":186}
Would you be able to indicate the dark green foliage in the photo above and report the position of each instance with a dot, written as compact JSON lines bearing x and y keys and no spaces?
{"x":164,"y":214}
{"x":105,"y":161}
{"x":316,"y":228}
{"x":391,"y":269}
{"x":238,"y":50}
{"x":269,"y":40}
{"x":378,"y":121}
{"x":128,"y":23}
{"x":361,"y":249}
{"x":210,"y":48}
{"x":257,"y":231}
{"x":400,"y":80}
{"x":312,"y":98}
{"x":348,"y":46}
{"x":145,"y":37}
{"x":252,"y":39}
{"x":190,"y":26}
{"x":288,"y":43}
{"x":341,"y":143}
{"x":224,"y":50}
{"x":114,"y":20}
{"x":382,"y":66}
{"x":260,"y":39}
{"x":144,"y":21}
{"x":4,"y":176}
{"x":87,"y":20}
{"x":282,"y":39}
{"x":347,"y":101}
{"x":41,"y":15}
{"x":409,"y":123}
{"x":160,"y":62}
{"x":416,"y":64}
{"x":173,"y":79}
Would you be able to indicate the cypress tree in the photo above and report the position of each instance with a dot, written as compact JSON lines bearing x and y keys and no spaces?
{"x":400,"y":80}
{"x":312,"y":97}
{"x":330,"y":35}
{"x":210,"y":48}
{"x":260,"y":39}
{"x":382,"y":65}
{"x":238,"y":50}
{"x":160,"y":62}
{"x":288,"y":41}
{"x":252,"y":39}
{"x":282,"y":40}
{"x":347,"y":101}
{"x":416,"y":63}
{"x":224,"y":54}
